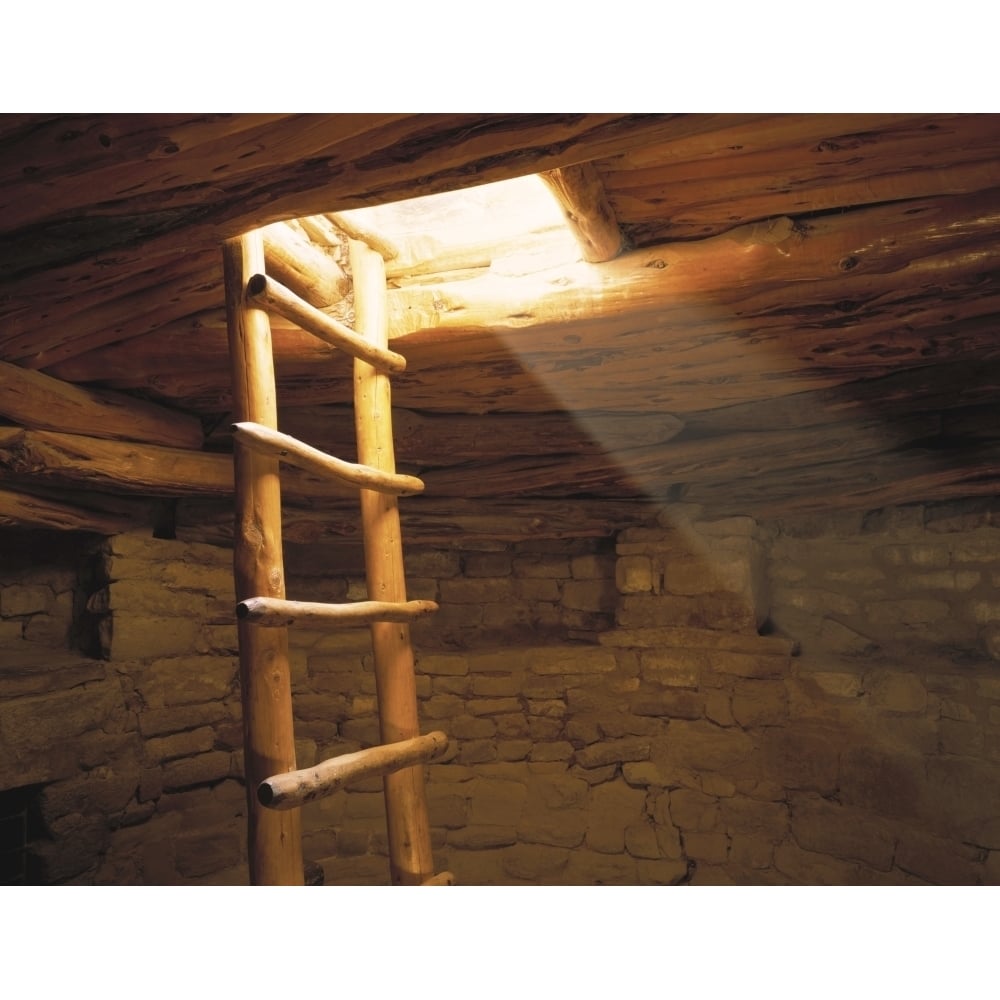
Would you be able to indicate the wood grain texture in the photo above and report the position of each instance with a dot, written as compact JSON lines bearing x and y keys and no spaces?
{"x":275,"y":839}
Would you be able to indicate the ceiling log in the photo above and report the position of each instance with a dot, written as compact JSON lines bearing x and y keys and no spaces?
{"x":303,"y":267}
{"x":49,"y":457}
{"x":39,"y":401}
{"x":23,"y":510}
{"x":580,"y":193}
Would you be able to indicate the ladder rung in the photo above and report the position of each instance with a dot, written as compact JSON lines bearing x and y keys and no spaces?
{"x":266,"y":293}
{"x":296,"y":788}
{"x":274,"y":612}
{"x":268,"y":441}
{"x":442,"y":878}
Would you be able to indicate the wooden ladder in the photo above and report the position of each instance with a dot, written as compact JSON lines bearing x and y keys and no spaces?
{"x":275,"y":787}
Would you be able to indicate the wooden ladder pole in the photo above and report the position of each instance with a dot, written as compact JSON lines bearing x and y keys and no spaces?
{"x":275,"y":840}
{"x":410,"y":856}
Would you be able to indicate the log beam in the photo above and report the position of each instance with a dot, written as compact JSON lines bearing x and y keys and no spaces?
{"x":23,"y":510}
{"x":353,"y":229}
{"x":119,"y":466}
{"x":580,"y":193}
{"x":275,"y":839}
{"x":34,"y":399}
{"x":303,"y":267}
{"x":289,"y":791}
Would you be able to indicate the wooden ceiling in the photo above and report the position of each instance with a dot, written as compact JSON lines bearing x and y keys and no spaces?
{"x":803,"y":318}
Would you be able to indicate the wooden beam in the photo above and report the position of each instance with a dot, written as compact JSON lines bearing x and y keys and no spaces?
{"x":580,"y":193}
{"x":119,"y":466}
{"x":266,"y":293}
{"x":271,"y":612}
{"x":356,"y":230}
{"x":23,"y":510}
{"x":303,"y":267}
{"x":802,"y":308}
{"x":411,"y":859}
{"x":267,"y":441}
{"x":275,"y":839}
{"x":289,"y":791}
{"x":33,"y":399}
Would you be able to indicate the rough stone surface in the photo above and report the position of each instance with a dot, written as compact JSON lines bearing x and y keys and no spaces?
{"x":613,"y":720}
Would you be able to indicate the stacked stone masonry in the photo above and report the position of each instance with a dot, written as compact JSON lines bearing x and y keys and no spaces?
{"x":811,"y":701}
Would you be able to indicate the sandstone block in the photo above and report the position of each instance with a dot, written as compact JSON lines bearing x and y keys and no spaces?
{"x":535,"y":863}
{"x":571,"y":660}
{"x":809,"y":868}
{"x":451,"y":664}
{"x":538,"y":589}
{"x":669,"y":705}
{"x":701,"y":746}
{"x":25,"y":600}
{"x":929,"y":556}
{"x":744,"y":815}
{"x":436,"y":563}
{"x":661,"y":872}
{"x":965,"y":738}
{"x":476,"y":751}
{"x":692,"y":810}
{"x":754,"y":851}
{"x":719,"y":708}
{"x":806,"y":757}
{"x":640,"y":840}
{"x":557,"y":750}
{"x":468,"y":727}
{"x":542,"y":565}
{"x":897,"y":692}
{"x":939,"y":861}
{"x":512,"y":750}
{"x":200,"y":770}
{"x":150,"y":637}
{"x":828,"y":828}
{"x":960,"y":798}
{"x":591,"y":868}
{"x":614,"y":807}
{"x":495,"y":802}
{"x":589,"y":595}
{"x":179,"y":745}
{"x":759,"y":703}
{"x":485,"y":590}
{"x":717,"y":785}
{"x":634,"y":574}
{"x":712,"y":848}
{"x":907,"y":612}
{"x":673,"y":668}
{"x":613,"y":751}
{"x":837,"y":684}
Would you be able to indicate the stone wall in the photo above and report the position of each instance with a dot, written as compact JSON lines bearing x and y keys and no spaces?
{"x":808,"y":701}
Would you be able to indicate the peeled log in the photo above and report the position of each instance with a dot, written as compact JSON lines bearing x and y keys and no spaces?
{"x":119,"y":466}
{"x":296,"y":788}
{"x":780,"y":261}
{"x":580,"y":192}
{"x":304,"y":268}
{"x":266,"y":293}
{"x":36,"y":400}
{"x":267,"y":441}
{"x":273,"y":613}
{"x":23,"y":510}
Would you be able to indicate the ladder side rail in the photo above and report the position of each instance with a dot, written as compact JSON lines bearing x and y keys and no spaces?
{"x":274,"y":841}
{"x":410,"y":855}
